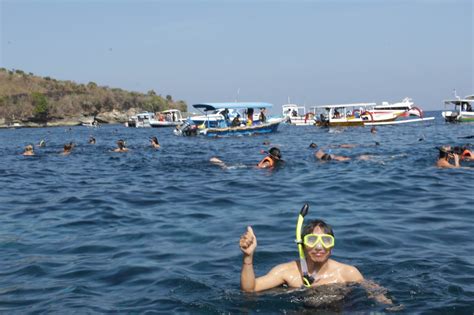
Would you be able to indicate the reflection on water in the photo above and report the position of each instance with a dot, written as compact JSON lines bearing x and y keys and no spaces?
{"x":158,"y":230}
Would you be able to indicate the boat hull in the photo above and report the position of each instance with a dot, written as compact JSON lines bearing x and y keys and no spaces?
{"x":241,"y":131}
{"x":455,"y":117}
{"x":354,"y":122}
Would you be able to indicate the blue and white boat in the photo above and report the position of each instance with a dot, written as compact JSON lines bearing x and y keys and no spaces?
{"x":229,"y":119}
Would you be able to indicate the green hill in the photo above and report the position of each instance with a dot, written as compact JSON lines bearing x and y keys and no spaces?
{"x":27,"y":98}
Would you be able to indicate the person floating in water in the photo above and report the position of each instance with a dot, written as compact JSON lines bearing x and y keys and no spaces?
{"x":121,"y":146}
{"x":272,"y":159}
{"x":67,"y":149}
{"x":445,"y":155}
{"x":154,"y":142}
{"x":323,"y":156}
{"x":315,"y":268}
{"x":373,"y":130}
{"x":28,"y":150}
{"x":42,"y":143}
{"x":91,"y":140}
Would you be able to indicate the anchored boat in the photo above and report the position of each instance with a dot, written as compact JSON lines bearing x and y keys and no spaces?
{"x":229,"y":119}
{"x":167,"y":118}
{"x":296,"y":115}
{"x":463,"y":111}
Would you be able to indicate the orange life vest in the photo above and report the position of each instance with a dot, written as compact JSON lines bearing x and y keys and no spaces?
{"x":467,"y":153}
{"x":266,"y":159}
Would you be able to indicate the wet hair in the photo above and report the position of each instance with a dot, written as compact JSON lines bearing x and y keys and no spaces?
{"x":68,"y":146}
{"x":275,"y":152}
{"x":443,"y":152}
{"x":326,"y":157}
{"x":313,"y":145}
{"x":121,"y":144}
{"x":155,"y":140}
{"x":310,"y":226}
{"x":29,"y":147}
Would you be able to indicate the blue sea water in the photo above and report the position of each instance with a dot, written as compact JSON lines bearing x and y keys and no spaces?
{"x":157,"y":231}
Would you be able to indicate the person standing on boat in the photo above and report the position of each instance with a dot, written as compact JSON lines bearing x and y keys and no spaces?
{"x":262,"y":116}
{"x":249,"y":116}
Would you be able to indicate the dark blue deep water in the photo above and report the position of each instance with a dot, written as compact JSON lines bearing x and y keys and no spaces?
{"x":157,"y":231}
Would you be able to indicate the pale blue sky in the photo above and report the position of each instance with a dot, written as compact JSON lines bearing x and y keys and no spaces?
{"x":315,"y":52}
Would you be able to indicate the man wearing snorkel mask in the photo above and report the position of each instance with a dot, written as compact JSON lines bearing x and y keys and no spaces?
{"x":318,"y":240}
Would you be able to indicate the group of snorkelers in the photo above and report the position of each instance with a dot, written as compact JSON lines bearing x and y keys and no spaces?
{"x":67,"y":148}
{"x":274,"y":158}
{"x":454,"y":154}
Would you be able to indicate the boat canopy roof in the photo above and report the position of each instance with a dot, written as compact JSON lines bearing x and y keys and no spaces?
{"x":231,"y":105}
{"x":345,"y":105}
{"x":467,"y":99}
{"x":171,"y":110}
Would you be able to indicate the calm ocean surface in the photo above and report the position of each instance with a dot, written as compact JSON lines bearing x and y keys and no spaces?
{"x":157,"y":231}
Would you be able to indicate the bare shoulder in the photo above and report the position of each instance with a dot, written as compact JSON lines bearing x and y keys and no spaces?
{"x":348,"y":272}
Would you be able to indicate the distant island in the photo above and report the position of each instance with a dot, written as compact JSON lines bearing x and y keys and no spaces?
{"x":28,"y":100}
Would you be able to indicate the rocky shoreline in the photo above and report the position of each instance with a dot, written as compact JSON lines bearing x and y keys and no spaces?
{"x":112,"y":117}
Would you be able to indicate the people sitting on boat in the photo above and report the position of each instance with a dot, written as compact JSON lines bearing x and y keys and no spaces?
{"x":272,"y":159}
{"x":29,"y":150}
{"x":262,"y":116}
{"x":236,"y":121}
{"x":154,"y":142}
{"x":91,"y":140}
{"x":336,"y":114}
{"x":445,"y":155}
{"x":315,"y":267}
{"x":294,"y":113}
{"x":323,"y":156}
{"x":67,"y":149}
{"x":121,"y":146}
{"x":249,"y":116}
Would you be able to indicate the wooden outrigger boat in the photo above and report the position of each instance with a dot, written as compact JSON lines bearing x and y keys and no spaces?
{"x":229,"y":119}
{"x":356,"y":114}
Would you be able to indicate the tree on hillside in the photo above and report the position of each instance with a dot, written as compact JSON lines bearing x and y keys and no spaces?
{"x":41,"y":107}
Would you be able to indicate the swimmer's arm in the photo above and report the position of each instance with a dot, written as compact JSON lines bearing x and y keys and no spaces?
{"x":376,"y":292}
{"x":272,"y":279}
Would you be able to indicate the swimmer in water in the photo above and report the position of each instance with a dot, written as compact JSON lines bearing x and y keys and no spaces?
{"x":314,"y":268}
{"x":323,"y":156}
{"x":154,"y":142}
{"x":28,"y":150}
{"x":445,"y":155}
{"x":121,"y":146}
{"x":91,"y":140}
{"x":313,"y":145}
{"x":273,"y":159}
{"x":42,"y":143}
{"x":67,"y":149}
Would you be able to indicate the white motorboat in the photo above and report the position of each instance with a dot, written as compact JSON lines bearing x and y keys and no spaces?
{"x":405,"y":108}
{"x":167,"y":118}
{"x":463,"y":109}
{"x":141,"y":120}
{"x":296,"y":115}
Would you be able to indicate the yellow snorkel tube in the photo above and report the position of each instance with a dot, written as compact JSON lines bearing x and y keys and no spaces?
{"x":307,"y":279}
